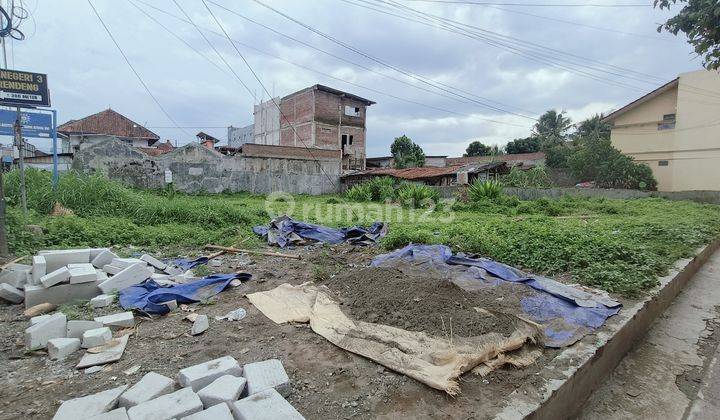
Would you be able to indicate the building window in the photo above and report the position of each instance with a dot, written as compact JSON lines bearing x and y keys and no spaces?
{"x":352,"y":111}
{"x":668,"y":122}
{"x":350,"y":139}
{"x":663,"y":163}
{"x":344,"y":140}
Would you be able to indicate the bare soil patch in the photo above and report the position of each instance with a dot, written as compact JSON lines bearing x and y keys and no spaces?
{"x":327,"y":382}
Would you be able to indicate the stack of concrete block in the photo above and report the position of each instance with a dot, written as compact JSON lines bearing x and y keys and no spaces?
{"x":67,"y":275}
{"x":63,"y":338}
{"x":208,"y":391}
{"x":63,"y":276}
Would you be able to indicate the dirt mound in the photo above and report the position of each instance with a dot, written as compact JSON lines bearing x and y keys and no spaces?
{"x":419,"y":299}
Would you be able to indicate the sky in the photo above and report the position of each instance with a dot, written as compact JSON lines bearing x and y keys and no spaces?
{"x":521,"y":60}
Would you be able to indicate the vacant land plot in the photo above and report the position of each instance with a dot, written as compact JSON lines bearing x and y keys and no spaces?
{"x":617,"y":245}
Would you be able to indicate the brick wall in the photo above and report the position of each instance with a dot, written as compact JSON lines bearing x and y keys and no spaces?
{"x":262,"y":150}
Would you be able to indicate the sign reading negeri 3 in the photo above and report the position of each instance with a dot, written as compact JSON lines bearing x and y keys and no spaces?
{"x":20,"y":88}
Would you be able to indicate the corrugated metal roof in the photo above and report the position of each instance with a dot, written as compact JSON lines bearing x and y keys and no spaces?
{"x":426,"y":172}
{"x":499,"y":158}
{"x":109,"y":122}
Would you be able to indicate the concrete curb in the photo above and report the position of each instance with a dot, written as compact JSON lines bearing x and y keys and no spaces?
{"x":581,"y":369}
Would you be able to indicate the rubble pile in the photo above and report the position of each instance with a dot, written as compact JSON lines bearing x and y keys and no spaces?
{"x":68,"y":275}
{"x":215,"y":390}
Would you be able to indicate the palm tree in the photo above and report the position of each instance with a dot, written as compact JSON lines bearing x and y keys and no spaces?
{"x":552,"y":127}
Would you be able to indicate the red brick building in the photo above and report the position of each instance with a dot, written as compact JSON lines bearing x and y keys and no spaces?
{"x":320,"y":117}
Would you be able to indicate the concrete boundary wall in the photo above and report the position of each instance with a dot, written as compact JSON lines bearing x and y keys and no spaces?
{"x":711,"y":197}
{"x":194,"y":169}
{"x":590,"y":364}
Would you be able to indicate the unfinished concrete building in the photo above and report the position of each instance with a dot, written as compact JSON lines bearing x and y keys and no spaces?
{"x":316,"y":118}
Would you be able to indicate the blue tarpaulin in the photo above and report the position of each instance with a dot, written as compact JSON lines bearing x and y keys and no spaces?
{"x":149,"y":296}
{"x":284,"y":231}
{"x":186,"y":264}
{"x":566,"y":313}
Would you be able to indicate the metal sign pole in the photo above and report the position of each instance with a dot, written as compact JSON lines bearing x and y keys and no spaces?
{"x":21,"y":152}
{"x":54,"y":148}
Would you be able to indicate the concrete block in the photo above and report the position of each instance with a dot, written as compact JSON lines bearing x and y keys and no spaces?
{"x":180,"y":403}
{"x":76,"y":328}
{"x":96,"y":337}
{"x":264,"y":405}
{"x":94,"y":252}
{"x":38,"y":335}
{"x":126,"y":262}
{"x":39,"y":268}
{"x":119,"y":320}
{"x":101,"y":276}
{"x":153,"y":261}
{"x":130,"y":276}
{"x":60,"y":348}
{"x":173,"y":270}
{"x":61,"y":293}
{"x":111,"y":269}
{"x":101,"y":301}
{"x":116,"y":414}
{"x":61,"y":275}
{"x":159,"y":277}
{"x":40,"y":318}
{"x":150,"y":386}
{"x":11,"y":294}
{"x":55,"y":259}
{"x":82,"y":273}
{"x":203,"y":374}
{"x":216,"y":412}
{"x":103,"y":258}
{"x":225,"y":389}
{"x":16,"y":275}
{"x":266,"y":374}
{"x":200,"y":325}
{"x":91,"y":405}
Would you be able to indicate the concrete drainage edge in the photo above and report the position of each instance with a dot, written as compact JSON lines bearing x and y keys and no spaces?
{"x":564,"y":398}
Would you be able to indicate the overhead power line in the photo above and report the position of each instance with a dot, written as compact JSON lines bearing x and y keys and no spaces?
{"x":330,"y":76}
{"x":202,"y":34}
{"x":488,"y":3}
{"x":282,"y":115}
{"x":127,"y":60}
{"x":383,"y":63}
{"x":522,"y":47}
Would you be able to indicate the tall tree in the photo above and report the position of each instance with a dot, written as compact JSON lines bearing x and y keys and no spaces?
{"x":527,"y":145}
{"x":552,"y":128}
{"x":406,"y":153}
{"x":592,"y":129}
{"x":699,"y":20}
{"x":477,"y":149}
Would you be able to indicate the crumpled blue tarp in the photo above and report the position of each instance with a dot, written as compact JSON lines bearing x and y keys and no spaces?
{"x":185,"y":264}
{"x":567,"y":313}
{"x":149,"y":296}
{"x":284,"y":231}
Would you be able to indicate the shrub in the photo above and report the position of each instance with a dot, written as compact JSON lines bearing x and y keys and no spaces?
{"x":599,"y":161}
{"x":536,"y":177}
{"x":482,"y":190}
{"x":557,"y":156}
{"x":417,"y":195}
{"x":359,"y":192}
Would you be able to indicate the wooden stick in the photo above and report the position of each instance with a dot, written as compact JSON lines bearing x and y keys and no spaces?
{"x":6,"y":265}
{"x":250,"y":251}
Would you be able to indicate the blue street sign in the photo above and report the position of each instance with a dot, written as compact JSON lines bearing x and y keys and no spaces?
{"x":34,"y":124}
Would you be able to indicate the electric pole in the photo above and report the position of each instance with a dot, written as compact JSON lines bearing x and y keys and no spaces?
{"x":3,"y":237}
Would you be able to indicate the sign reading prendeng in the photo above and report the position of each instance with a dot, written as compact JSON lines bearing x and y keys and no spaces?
{"x":20,"y":88}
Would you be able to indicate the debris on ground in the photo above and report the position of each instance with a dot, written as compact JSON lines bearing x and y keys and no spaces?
{"x":235,"y":315}
{"x":249,"y":392}
{"x":200,"y":325}
{"x":152,"y":298}
{"x":567,"y":313}
{"x":283,"y":231}
{"x":433,"y":361}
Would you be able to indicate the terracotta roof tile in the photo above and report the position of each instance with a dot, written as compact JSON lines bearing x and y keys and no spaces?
{"x":108,"y":122}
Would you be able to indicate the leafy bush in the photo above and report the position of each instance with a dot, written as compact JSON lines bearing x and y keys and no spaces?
{"x":536,"y":177}
{"x":599,"y":161}
{"x":376,"y":189}
{"x":417,"y":195}
{"x":556,"y":156}
{"x":359,"y":192}
{"x":484,"y":190}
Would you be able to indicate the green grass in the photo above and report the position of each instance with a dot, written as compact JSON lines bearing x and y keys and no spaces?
{"x":618,"y":245}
